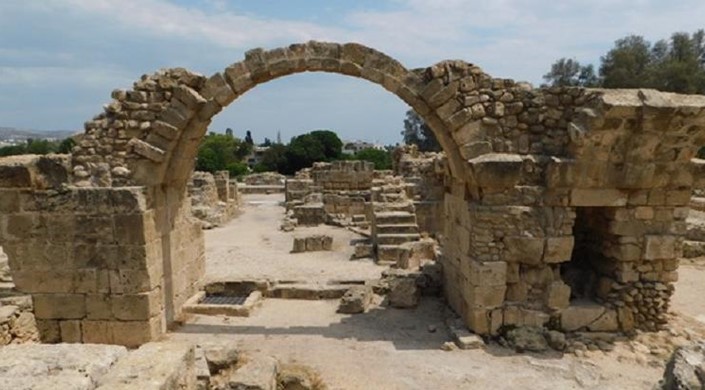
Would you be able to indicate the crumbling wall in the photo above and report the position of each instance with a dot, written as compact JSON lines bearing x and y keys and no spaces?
{"x":99,"y":265}
{"x":424,"y":173}
{"x":520,"y":161}
{"x":211,"y":200}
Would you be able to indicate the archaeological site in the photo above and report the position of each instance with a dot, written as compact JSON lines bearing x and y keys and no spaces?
{"x":542,"y":244}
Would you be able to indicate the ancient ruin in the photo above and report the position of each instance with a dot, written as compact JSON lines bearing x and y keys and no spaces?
{"x":561,"y":207}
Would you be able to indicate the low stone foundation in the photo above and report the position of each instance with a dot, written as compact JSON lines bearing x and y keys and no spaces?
{"x":312,"y":244}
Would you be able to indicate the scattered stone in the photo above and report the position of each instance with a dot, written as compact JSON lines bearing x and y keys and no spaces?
{"x":449,"y":346}
{"x":527,"y":338}
{"x":356,"y":300}
{"x":258,"y":373}
{"x":403,"y":291}
{"x":298,"y":377}
{"x":432,"y":329}
{"x":555,"y":340}
{"x":220,"y":357}
{"x":685,"y":369}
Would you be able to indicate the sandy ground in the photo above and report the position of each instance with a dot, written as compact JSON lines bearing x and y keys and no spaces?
{"x":389,"y":348}
{"x":252,"y":247}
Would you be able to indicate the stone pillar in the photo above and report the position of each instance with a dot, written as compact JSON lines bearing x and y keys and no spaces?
{"x":222,"y":183}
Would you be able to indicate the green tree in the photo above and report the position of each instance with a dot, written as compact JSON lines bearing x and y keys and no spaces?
{"x":678,"y":65}
{"x":66,"y":146}
{"x":332,"y":145}
{"x":567,"y":72}
{"x":219,"y":152}
{"x":302,"y":152}
{"x":627,"y":65}
{"x":274,"y":159}
{"x":381,"y":158}
{"x":416,"y":132}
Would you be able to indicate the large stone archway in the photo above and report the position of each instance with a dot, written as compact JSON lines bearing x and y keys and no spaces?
{"x":104,"y":242}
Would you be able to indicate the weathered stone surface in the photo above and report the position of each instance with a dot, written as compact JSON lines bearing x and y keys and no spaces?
{"x":403,"y":292}
{"x":68,"y":366}
{"x":527,"y":338}
{"x":356,"y":300}
{"x":580,"y":314}
{"x":258,"y":373}
{"x":312,"y":243}
{"x":220,"y":356}
{"x":153,"y":366}
{"x":660,"y":247}
{"x":558,"y":295}
{"x":298,"y":377}
{"x":685,"y":368}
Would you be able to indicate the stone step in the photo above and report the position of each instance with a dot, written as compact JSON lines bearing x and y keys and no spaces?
{"x":307,"y":291}
{"x":404,"y":228}
{"x":394,"y":218}
{"x":389,"y":254}
{"x":383,"y":207}
{"x":396,"y":239}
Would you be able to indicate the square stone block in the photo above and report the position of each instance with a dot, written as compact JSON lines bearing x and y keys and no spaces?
{"x":584,"y":197}
{"x":558,"y":249}
{"x":526,"y":250}
{"x":659,"y":247}
{"x":485,"y":296}
{"x":492,"y":273}
{"x":59,"y":306}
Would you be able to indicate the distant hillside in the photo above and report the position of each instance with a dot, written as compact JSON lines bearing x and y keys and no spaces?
{"x":7,"y":133}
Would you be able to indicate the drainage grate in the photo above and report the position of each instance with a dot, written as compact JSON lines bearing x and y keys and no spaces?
{"x":223,"y":300}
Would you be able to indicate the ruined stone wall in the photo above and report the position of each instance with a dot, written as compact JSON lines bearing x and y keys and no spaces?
{"x":625,"y":173}
{"x":520,"y":164}
{"x":265,"y":179}
{"x":425,"y":174}
{"x":98,"y":262}
{"x":211,"y":200}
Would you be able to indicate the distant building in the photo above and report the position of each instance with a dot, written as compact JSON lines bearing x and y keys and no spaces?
{"x":352,"y":147}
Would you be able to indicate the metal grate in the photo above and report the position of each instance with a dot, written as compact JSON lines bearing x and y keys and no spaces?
{"x":223,"y":300}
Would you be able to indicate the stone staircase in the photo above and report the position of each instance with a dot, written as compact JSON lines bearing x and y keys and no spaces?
{"x":393,"y":221}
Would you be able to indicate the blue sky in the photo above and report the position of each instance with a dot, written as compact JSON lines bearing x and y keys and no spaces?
{"x":60,"y":59}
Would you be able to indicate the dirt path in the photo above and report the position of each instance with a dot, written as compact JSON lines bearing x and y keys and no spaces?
{"x":252,"y":247}
{"x":394,"y":349}
{"x":388,"y":348}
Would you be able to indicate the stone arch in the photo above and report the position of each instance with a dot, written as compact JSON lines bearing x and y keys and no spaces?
{"x":169,"y":112}
{"x":124,"y":254}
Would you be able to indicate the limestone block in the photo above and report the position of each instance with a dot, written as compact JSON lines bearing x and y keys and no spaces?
{"x":477,"y":320}
{"x":558,"y":295}
{"x":59,"y":306}
{"x":258,"y":373}
{"x":403,"y":292}
{"x":493,"y":273}
{"x":127,"y":333}
{"x":526,"y":250}
{"x":64,"y":366}
{"x":533,"y":317}
{"x":582,"y":197}
{"x":607,"y":322}
{"x":497,"y":170}
{"x":659,"y":247}
{"x":558,"y":249}
{"x":626,"y":319}
{"x":70,"y":331}
{"x":580,"y":314}
{"x":136,"y":307}
{"x":517,"y":292}
{"x":355,"y":300}
{"x":153,"y":366}
{"x":485,"y":296}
